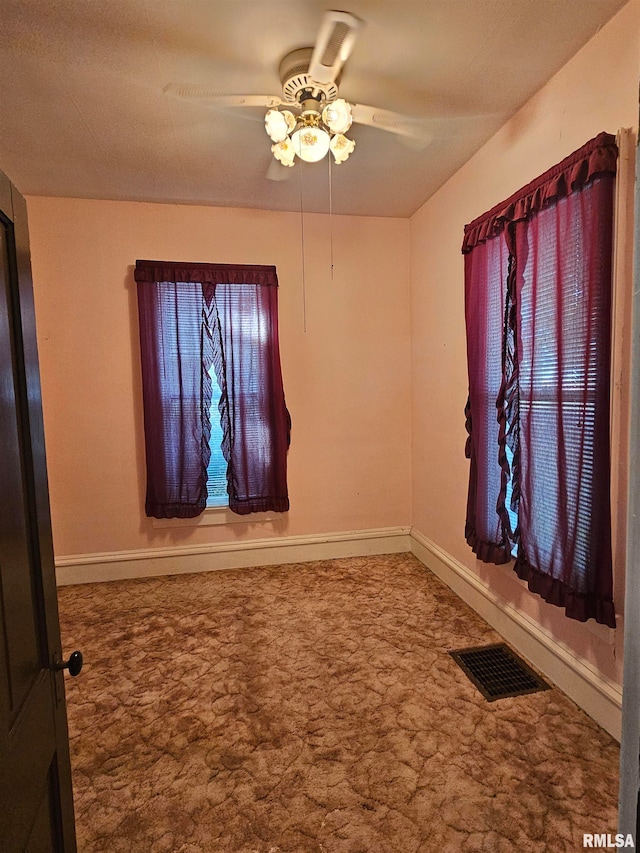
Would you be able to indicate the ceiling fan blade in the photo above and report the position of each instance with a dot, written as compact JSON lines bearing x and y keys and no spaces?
{"x":209,"y":96}
{"x":333,"y":46}
{"x":277,"y":172}
{"x":414,"y":130}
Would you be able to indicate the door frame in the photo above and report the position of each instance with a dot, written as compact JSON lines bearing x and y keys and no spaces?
{"x":629,"y":797}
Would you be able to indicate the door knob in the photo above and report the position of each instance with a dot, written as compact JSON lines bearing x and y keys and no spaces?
{"x":74,"y":664}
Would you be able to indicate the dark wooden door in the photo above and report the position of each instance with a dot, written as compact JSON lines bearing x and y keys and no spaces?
{"x":36,"y":805}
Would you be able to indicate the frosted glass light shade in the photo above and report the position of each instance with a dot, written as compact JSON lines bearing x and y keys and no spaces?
{"x":279,"y":124}
{"x":283,"y":151}
{"x":310,"y":143}
{"x":337,"y":116}
{"x":341,"y":147}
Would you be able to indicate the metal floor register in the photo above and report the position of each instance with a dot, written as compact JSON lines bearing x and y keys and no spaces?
{"x":498,"y":672}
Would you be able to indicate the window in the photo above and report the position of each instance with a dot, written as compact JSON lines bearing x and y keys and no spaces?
{"x":538,"y":309}
{"x":217,"y":467}
{"x":211,"y":383}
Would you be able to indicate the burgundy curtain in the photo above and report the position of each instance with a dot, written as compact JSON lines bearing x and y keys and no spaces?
{"x":255,"y":421}
{"x":193,"y":316}
{"x":551,"y":458}
{"x":485,"y":275}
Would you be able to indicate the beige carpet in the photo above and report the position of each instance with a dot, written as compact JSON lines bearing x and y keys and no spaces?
{"x":313,"y":708}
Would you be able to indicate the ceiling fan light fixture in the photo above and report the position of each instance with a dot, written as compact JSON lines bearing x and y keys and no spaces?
{"x":337,"y":116}
{"x":313,"y":134}
{"x":341,"y":147}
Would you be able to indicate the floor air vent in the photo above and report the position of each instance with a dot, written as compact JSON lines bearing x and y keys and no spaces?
{"x":498,"y":672}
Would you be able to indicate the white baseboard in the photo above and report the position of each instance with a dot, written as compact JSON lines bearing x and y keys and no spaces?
{"x":150,"y":562}
{"x":579,"y":679}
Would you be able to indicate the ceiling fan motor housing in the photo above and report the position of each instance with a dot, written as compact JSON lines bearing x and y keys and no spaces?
{"x":297,"y":83}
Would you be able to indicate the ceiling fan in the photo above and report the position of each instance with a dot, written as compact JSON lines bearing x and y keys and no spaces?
{"x":309,"y":119}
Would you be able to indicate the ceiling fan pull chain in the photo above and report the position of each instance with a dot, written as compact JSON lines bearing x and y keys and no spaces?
{"x":331,"y":216}
{"x":304,"y":285}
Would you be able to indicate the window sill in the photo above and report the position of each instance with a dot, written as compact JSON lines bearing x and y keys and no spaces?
{"x":216,"y":515}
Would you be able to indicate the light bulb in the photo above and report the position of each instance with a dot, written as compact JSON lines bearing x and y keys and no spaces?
{"x":279,"y":124}
{"x":337,"y":115}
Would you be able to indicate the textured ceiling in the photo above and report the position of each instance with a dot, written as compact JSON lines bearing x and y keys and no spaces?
{"x":83,"y":111}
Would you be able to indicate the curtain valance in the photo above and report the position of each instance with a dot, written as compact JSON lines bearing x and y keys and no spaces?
{"x":175,"y":271}
{"x":596,"y":157}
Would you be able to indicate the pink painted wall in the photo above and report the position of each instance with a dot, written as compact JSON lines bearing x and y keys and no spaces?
{"x":595,"y":91}
{"x":346,"y":378}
